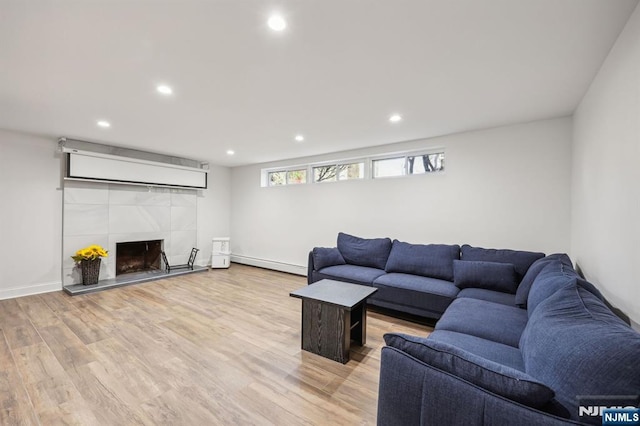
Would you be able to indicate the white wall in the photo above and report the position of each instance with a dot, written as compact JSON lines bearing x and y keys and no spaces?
{"x":606,"y":175}
{"x":30,"y":215}
{"x":214,"y":211}
{"x":32,"y":206}
{"x":506,"y":187}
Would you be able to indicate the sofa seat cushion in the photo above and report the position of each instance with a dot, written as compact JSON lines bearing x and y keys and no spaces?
{"x":372,"y":252}
{"x":426,"y":293}
{"x":352,"y":273}
{"x":488,"y":295}
{"x":492,"y":321}
{"x":577,"y":346}
{"x":495,"y":377}
{"x":488,"y":275}
{"x":430,"y":260}
{"x":521,"y":260}
{"x":493,"y":351}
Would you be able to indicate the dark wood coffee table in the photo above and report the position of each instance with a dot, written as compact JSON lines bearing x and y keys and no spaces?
{"x":333,"y":313}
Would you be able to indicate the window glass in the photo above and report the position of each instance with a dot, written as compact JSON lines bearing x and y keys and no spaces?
{"x":324,"y":173}
{"x":277,"y":178}
{"x":438,"y":161}
{"x":388,"y":167}
{"x":351,"y":171}
{"x":427,"y":163}
{"x":296,"y":176}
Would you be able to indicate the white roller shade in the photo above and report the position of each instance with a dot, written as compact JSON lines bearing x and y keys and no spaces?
{"x":130,"y":170}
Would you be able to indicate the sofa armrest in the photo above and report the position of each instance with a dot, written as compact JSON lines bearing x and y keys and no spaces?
{"x":310,"y":268}
{"x":415,"y":393}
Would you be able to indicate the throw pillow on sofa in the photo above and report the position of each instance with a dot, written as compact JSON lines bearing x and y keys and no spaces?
{"x":427,"y":260}
{"x":489,"y":375}
{"x":521,"y":260}
{"x":487,"y":275}
{"x":324,"y":256}
{"x":372,"y":252}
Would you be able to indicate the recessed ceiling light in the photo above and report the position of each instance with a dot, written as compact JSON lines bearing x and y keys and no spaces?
{"x":164,"y":89}
{"x":277,"y":23}
{"x":230,"y":152}
{"x":299,"y":138}
{"x":103,"y":123}
{"x":395,"y":118}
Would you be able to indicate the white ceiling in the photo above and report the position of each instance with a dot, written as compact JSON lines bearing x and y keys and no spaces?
{"x":334,"y":75}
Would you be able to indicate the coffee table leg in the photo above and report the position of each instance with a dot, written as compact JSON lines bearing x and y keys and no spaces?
{"x":359,"y":324}
{"x":326,"y":330}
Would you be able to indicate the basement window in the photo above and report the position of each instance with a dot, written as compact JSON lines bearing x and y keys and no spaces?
{"x":286,"y":177}
{"x":380,"y":166}
{"x":408,"y":165}
{"x":335,"y":172}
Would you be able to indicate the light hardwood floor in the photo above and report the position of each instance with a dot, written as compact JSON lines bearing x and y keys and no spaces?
{"x":217,"y":347}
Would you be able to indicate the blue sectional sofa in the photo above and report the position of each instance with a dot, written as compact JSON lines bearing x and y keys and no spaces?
{"x":521,"y":338}
{"x":417,"y":279}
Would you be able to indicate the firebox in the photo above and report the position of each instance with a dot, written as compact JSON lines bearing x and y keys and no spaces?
{"x":138,"y":256}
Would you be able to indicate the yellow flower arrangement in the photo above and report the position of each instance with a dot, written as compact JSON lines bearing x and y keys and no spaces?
{"x":90,"y":253}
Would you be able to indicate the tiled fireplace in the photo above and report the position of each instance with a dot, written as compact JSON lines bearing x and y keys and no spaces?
{"x":108,"y":214}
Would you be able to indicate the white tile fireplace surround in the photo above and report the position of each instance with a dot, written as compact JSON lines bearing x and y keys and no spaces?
{"x":106,"y":214}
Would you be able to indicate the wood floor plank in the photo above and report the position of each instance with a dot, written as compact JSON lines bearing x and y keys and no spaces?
{"x":22,"y":335}
{"x":11,"y":314}
{"x":108,"y":399}
{"x":85,"y":324}
{"x":37,"y":311}
{"x":17,"y":327}
{"x":66,"y":346}
{"x":58,"y":301}
{"x":15,"y":404}
{"x":218,"y":347}
{"x":141,"y":381}
{"x":58,"y":402}
{"x":37,"y":363}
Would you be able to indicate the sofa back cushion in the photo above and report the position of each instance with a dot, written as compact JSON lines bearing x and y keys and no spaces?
{"x":555,"y":275}
{"x":430,"y":260}
{"x":551,"y":278}
{"x":574,"y":344}
{"x":325,"y":256}
{"x":536,"y":267}
{"x":492,"y":376}
{"x":488,"y":275}
{"x":521,"y":260}
{"x":373,"y":252}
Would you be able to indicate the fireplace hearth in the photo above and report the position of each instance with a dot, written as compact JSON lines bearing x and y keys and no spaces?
{"x":138,"y":256}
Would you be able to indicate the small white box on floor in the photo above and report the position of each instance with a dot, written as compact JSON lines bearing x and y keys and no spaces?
{"x":220,"y":245}
{"x":220,"y":253}
{"x":220,"y":260}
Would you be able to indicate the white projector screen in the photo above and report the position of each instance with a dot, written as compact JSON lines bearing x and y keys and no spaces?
{"x":125,"y":170}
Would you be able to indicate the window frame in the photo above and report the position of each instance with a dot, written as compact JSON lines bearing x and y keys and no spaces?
{"x":368,"y":165}
{"x":405,"y":168}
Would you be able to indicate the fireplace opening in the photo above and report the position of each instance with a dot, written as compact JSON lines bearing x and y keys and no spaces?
{"x":138,"y":256}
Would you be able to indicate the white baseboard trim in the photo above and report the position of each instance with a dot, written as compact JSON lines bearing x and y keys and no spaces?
{"x":270,"y":264}
{"x":10,"y":293}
